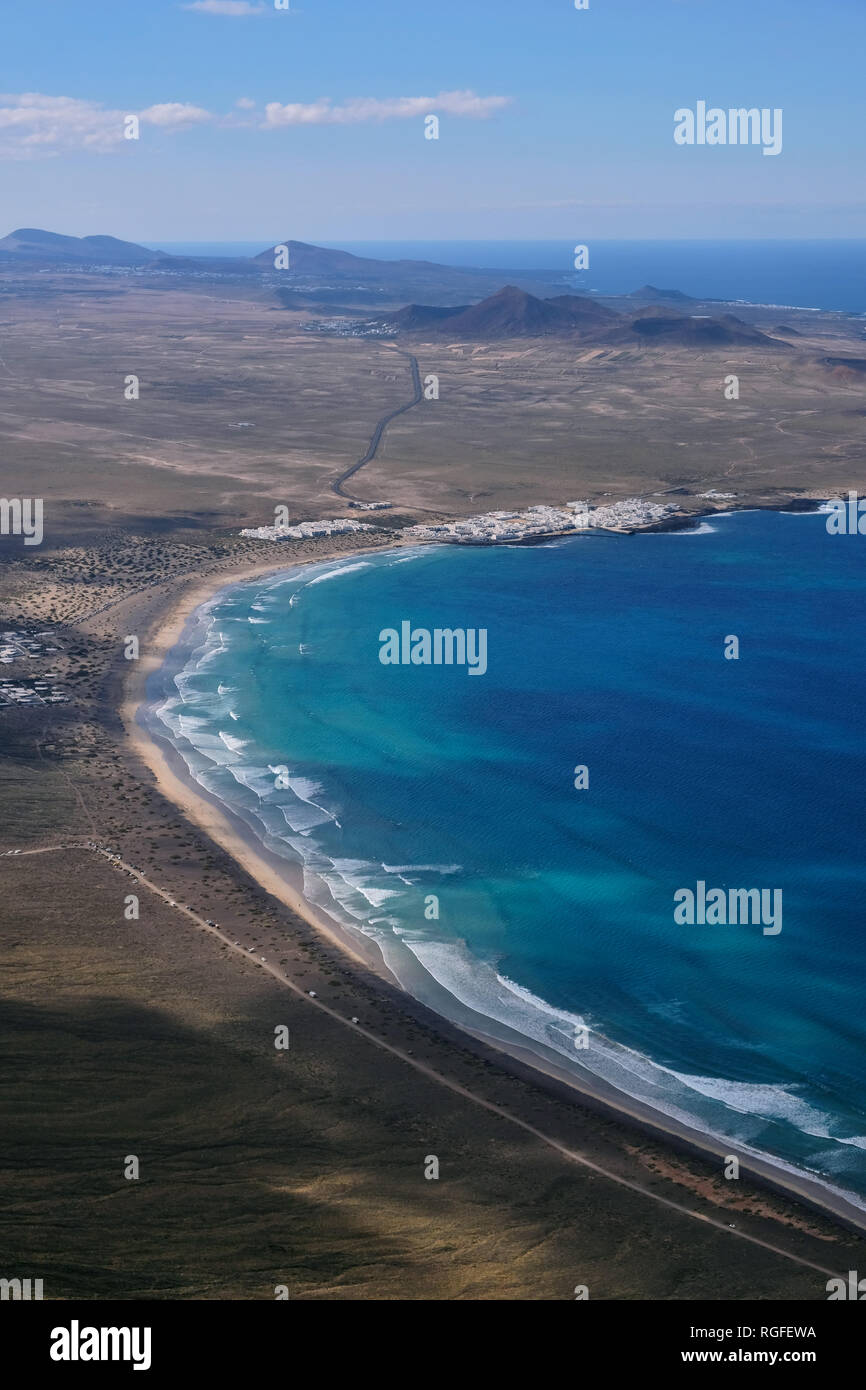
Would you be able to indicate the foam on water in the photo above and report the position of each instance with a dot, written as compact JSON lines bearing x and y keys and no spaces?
{"x":232,"y":743}
{"x":339,"y":572}
{"x":704,"y":529}
{"x":771,"y":1102}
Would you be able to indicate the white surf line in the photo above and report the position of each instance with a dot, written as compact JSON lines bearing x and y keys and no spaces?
{"x":454,"y":1086}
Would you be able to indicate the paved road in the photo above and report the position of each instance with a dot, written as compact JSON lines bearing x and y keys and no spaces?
{"x":430,"y":1072}
{"x":380,"y":428}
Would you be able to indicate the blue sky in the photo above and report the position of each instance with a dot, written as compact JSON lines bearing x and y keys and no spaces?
{"x":553,"y":122}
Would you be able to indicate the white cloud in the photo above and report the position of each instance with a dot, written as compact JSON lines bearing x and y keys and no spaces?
{"x":33,"y":125}
{"x":358,"y":109}
{"x":236,"y":9}
{"x":174,"y":115}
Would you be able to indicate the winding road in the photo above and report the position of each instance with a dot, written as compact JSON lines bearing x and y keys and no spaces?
{"x":376,"y":437}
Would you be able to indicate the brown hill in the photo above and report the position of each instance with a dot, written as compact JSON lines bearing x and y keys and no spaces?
{"x":416,"y":318}
{"x":321,"y":270}
{"x":35,"y":246}
{"x":664,"y":326}
{"x":513,"y":313}
{"x":846,"y":368}
{"x":650,"y":294}
{"x":306,"y":259}
{"x":510,"y":313}
{"x":583,"y":311}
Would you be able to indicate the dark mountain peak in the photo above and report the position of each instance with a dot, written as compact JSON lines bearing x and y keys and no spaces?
{"x":113,"y":243}
{"x":512,"y":293}
{"x":52,"y":248}
{"x":655,"y":324}
{"x":38,"y":235}
{"x":515,"y":313}
{"x":583,"y":308}
{"x":509,"y":313}
{"x":653,"y":292}
{"x":307,"y":259}
{"x":419,"y":316}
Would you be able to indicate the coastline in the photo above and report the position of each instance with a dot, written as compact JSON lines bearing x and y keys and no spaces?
{"x":170,"y":774}
{"x":278,"y":878}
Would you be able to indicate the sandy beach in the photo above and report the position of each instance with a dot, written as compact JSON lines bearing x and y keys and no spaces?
{"x":279,"y":879}
{"x":171,"y":776}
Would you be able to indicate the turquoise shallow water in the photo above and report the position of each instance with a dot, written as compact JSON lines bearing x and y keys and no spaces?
{"x":556,"y":906}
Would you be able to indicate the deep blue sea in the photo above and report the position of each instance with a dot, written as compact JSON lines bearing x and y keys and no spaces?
{"x":804,"y":274}
{"x":411,"y":790}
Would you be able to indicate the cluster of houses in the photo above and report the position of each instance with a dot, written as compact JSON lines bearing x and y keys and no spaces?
{"x":491,"y":528}
{"x":305,"y":530}
{"x":534,"y":523}
{"x":349,"y":328}
{"x":31,"y":692}
{"x":23,"y":645}
{"x":631,"y":514}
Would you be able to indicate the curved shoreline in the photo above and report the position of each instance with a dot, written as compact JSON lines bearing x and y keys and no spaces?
{"x":279,"y":877}
{"x":170,"y":771}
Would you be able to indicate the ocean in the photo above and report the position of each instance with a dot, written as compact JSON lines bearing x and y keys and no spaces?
{"x":801,"y":274}
{"x":436,"y":812}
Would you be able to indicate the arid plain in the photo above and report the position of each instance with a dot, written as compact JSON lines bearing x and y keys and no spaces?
{"x":240,"y":409}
